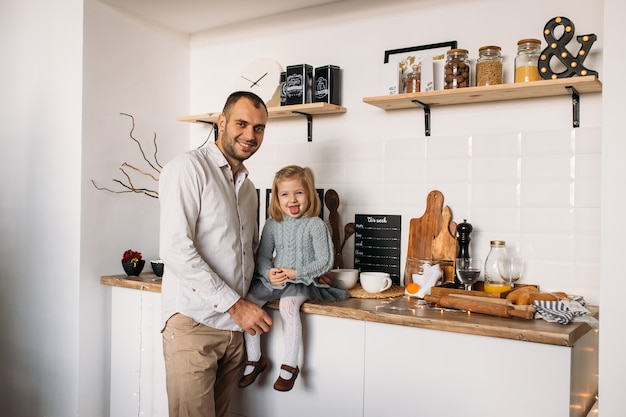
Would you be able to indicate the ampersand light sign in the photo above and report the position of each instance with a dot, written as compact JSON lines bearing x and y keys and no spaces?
{"x":557,"y":49}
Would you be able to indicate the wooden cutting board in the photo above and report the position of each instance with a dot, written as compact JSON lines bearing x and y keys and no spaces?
{"x":433,"y":236}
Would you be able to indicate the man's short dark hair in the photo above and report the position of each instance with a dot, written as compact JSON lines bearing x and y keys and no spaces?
{"x":256,"y":101}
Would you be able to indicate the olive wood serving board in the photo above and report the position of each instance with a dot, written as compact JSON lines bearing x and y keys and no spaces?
{"x":432,"y":236}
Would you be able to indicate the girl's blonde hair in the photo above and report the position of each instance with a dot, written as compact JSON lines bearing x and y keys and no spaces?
{"x":305,"y":175}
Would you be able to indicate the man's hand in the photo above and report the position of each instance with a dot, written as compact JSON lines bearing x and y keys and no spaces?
{"x":250,"y":317}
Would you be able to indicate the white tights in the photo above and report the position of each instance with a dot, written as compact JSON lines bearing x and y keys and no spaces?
{"x":289,"y":308}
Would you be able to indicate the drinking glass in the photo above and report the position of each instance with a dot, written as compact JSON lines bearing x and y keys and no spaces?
{"x":468,"y":271}
{"x":511,"y":269}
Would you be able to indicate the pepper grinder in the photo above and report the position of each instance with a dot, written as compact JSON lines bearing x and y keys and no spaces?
{"x":464,"y":229}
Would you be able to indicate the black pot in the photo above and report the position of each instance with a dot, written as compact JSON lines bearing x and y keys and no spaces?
{"x":132,"y":270}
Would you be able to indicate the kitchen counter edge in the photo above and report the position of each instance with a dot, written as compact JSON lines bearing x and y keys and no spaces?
{"x":538,"y":331}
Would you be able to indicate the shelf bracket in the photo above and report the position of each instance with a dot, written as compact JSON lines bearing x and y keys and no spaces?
{"x":426,"y":108}
{"x":575,"y":105}
{"x":214,"y":126}
{"x":309,"y":123}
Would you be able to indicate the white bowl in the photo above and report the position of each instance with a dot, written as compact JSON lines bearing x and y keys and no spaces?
{"x":344,"y":278}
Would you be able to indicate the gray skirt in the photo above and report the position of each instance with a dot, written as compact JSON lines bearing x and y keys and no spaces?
{"x":311,"y":292}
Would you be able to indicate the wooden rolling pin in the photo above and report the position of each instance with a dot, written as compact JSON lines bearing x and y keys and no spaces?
{"x":495,"y":300}
{"x":483,"y":307}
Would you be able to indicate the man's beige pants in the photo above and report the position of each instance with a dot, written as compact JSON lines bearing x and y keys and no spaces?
{"x":202,"y":366}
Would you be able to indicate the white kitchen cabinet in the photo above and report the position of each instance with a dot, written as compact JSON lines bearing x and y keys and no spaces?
{"x":137,"y":366}
{"x":366,"y":368}
{"x":439,"y":374}
{"x":331,"y":378}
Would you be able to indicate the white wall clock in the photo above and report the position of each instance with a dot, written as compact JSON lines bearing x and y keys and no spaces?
{"x":262,"y":77}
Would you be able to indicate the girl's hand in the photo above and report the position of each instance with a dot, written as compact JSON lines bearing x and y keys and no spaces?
{"x":277,"y":276}
{"x":291,"y":273}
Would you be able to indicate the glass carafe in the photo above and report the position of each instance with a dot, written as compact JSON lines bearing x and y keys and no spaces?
{"x":494,"y":282}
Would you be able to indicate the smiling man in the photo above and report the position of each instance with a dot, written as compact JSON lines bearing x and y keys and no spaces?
{"x":209,"y":235}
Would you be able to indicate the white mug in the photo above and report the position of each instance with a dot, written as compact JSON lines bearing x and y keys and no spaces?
{"x":375,"y":282}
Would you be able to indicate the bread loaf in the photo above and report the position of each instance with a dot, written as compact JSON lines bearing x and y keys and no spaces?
{"x":548,"y":296}
{"x":521,"y":296}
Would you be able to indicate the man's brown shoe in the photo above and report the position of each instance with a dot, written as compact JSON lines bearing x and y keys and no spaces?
{"x":283,"y":384}
{"x":259,"y":366}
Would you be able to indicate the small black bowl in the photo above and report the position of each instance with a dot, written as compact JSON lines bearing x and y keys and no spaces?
{"x":157,"y":267}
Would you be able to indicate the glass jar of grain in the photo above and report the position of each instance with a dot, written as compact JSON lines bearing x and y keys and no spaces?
{"x":489,"y":66}
{"x":528,"y":51}
{"x":457,"y":69}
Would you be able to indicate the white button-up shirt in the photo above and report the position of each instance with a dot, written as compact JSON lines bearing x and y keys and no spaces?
{"x":209,"y":234}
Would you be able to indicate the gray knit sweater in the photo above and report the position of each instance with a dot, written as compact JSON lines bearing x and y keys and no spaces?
{"x":303,"y":244}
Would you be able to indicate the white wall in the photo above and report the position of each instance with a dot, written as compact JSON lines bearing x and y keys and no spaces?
{"x":612,"y":358}
{"x":134,"y":68}
{"x":40,"y":159}
{"x":516,"y":171}
{"x":60,"y":128}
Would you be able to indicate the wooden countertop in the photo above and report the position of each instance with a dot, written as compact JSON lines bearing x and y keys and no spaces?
{"x":375,"y":310}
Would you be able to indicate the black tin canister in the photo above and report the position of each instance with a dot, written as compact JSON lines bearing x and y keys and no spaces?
{"x":299,"y":84}
{"x":328,"y":84}
{"x":283,"y":85}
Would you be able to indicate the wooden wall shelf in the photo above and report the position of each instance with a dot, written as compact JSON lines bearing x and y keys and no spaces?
{"x":307,"y":110}
{"x":534,"y":89}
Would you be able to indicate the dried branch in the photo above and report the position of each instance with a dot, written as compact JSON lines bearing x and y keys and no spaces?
{"x":125,"y":164}
{"x":129,"y":186}
{"x":139,"y":143}
{"x":149,"y":193}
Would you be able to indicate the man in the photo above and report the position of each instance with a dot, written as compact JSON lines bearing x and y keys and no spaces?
{"x":209,"y":235}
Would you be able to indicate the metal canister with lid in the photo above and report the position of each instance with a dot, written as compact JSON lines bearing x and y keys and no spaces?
{"x":457,"y":69}
{"x":489,"y":66}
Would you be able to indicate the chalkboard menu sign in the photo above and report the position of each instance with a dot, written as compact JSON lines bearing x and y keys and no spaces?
{"x":377,"y":244}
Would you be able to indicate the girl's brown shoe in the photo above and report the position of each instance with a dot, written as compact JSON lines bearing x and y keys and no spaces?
{"x":283,"y":384}
{"x":259,"y":366}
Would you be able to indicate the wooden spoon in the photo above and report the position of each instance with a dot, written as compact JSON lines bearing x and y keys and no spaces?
{"x":348,"y":230}
{"x":331,"y":199}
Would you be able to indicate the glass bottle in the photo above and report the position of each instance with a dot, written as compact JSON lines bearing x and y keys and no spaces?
{"x":494,"y":282}
{"x":413,"y":80}
{"x":528,"y":51}
{"x":457,"y":69}
{"x":489,"y":66}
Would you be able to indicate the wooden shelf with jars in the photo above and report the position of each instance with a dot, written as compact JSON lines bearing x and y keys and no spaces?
{"x":573,"y":86}
{"x":295,"y":110}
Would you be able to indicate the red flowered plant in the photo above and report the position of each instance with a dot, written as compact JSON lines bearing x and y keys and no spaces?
{"x":132,"y":256}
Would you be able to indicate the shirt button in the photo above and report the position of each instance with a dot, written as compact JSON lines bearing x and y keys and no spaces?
{"x":215,"y":306}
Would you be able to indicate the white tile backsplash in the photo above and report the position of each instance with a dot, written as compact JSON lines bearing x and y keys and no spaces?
{"x":553,"y":167}
{"x":546,"y":194}
{"x":549,"y":142}
{"x":587,"y":166}
{"x":538,"y":190}
{"x":587,"y":193}
{"x":495,"y":145}
{"x":547,"y":220}
{"x":493,"y":169}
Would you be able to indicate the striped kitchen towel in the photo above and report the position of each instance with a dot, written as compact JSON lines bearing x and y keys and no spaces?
{"x":564,"y":311}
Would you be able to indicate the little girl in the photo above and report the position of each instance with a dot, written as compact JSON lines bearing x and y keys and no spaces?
{"x":295,"y":249}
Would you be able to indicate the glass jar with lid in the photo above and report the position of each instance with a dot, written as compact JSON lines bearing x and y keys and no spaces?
{"x":528,"y":51}
{"x":457,"y":69}
{"x":489,"y":66}
{"x":494,"y":281}
{"x":413,"y":80}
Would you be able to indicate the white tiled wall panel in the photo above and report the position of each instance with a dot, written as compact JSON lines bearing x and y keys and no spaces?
{"x":538,"y":190}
